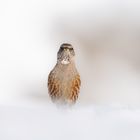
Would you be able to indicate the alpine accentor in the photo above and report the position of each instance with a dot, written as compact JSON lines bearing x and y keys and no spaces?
{"x":64,"y":80}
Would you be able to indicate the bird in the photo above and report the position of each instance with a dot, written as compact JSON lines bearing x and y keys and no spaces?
{"x":64,"y":80}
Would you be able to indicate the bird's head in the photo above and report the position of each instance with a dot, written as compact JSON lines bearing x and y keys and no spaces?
{"x":65,"y":54}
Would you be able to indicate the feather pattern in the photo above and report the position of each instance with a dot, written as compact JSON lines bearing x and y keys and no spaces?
{"x":62,"y":87}
{"x":75,"y":87}
{"x":64,"y":80}
{"x":53,"y":86}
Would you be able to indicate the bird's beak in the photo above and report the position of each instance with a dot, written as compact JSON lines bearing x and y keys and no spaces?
{"x":66,"y":49}
{"x":65,"y":60}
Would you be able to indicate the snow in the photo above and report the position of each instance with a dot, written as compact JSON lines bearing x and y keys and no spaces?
{"x":105,"y":35}
{"x":50,"y":122}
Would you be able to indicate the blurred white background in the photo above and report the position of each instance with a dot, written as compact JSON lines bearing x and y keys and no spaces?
{"x":105,"y":35}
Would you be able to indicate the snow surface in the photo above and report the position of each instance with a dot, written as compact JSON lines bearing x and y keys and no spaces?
{"x":105,"y":35}
{"x":49,"y":122}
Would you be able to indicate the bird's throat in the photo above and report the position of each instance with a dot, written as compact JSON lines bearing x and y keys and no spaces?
{"x":65,"y":62}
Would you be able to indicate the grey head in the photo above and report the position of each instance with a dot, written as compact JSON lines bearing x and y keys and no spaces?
{"x":65,"y":54}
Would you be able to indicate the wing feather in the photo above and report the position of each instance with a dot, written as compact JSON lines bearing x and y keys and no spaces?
{"x":75,"y":88}
{"x":53,"y":86}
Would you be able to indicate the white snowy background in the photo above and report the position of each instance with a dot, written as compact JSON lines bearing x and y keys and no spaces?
{"x":106,"y":38}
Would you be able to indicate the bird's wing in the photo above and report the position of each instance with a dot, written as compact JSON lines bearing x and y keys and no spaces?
{"x":53,"y":86}
{"x":76,"y":82}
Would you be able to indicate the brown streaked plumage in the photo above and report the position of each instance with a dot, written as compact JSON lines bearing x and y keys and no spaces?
{"x":64,"y":80}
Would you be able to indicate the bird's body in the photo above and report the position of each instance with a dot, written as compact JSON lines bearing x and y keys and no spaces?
{"x":64,"y":82}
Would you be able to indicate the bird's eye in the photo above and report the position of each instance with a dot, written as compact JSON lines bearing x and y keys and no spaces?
{"x":61,"y":48}
{"x":71,"y":49}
